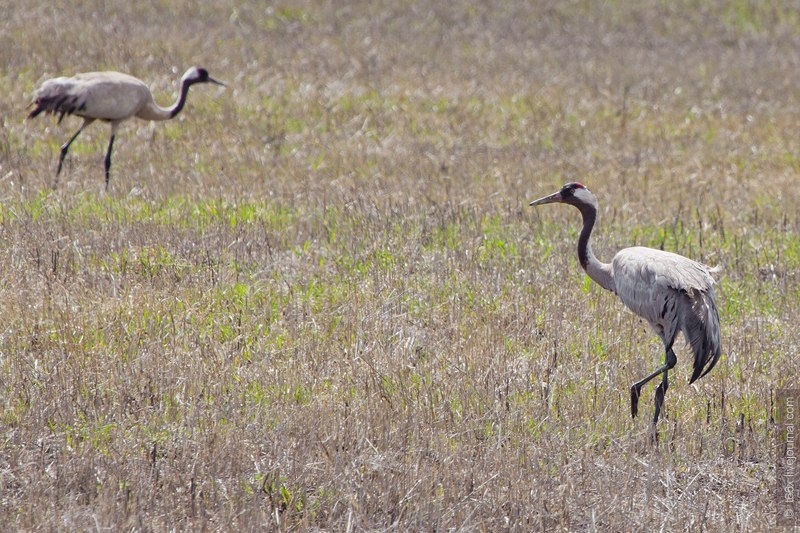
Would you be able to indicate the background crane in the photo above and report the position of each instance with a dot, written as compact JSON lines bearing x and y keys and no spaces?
{"x":671,"y":292}
{"x":108,"y":96}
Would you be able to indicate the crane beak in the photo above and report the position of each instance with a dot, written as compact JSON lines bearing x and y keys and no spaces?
{"x":553,"y":198}
{"x":212,"y":80}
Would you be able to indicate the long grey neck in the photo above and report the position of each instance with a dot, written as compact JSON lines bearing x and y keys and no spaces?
{"x":600,"y":272}
{"x":176,"y":108}
{"x":153,"y":111}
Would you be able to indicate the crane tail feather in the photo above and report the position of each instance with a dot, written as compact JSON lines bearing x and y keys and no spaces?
{"x":56,"y":103}
{"x":702,"y":330}
{"x":35,"y":112}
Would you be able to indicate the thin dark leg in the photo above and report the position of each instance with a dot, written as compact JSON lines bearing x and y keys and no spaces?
{"x":66,"y":145}
{"x":636,"y":388}
{"x":108,"y":159}
{"x":661,"y":391}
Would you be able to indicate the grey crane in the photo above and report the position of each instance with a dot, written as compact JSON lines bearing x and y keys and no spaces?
{"x":674,"y":294}
{"x":112,"y":97}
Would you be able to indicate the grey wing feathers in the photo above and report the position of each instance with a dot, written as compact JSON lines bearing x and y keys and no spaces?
{"x":57,"y":96}
{"x":648,"y":281}
{"x":700,"y":321}
{"x":670,"y":269}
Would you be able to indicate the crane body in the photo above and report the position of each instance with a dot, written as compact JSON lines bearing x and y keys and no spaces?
{"x":672,"y":293}
{"x":112,"y":97}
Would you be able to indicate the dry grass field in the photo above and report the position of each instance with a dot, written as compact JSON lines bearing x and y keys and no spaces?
{"x":317,"y":299}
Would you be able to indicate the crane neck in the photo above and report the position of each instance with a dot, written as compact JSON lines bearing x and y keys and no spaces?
{"x":153,"y":111}
{"x":598,"y":271}
{"x":177,"y":106}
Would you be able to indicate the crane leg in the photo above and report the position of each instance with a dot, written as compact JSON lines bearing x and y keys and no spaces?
{"x":108,"y":159}
{"x":636,"y":388}
{"x":661,"y":391}
{"x":67,"y":144}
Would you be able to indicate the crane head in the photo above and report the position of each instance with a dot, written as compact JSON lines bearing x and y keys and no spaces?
{"x":199,"y":75}
{"x":572,"y":193}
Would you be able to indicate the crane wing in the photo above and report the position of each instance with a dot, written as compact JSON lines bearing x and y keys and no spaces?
{"x":95,"y":95}
{"x":672,"y":293}
{"x":639,"y":265}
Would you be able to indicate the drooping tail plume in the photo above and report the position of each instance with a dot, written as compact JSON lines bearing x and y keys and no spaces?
{"x":701,"y":328}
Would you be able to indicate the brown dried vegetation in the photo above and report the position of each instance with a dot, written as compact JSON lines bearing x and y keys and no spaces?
{"x":317,"y":299}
